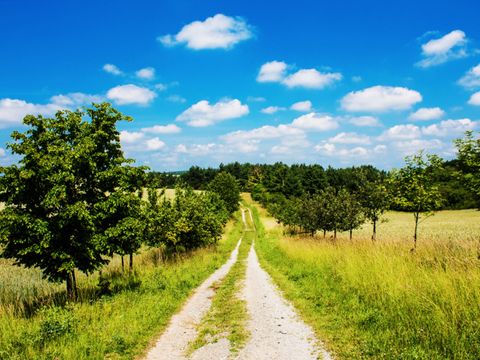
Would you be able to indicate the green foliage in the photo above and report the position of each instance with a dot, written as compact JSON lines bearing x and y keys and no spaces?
{"x":56,"y":322}
{"x":70,"y":179}
{"x":225,"y":185}
{"x":414,"y":189}
{"x":469,"y":157}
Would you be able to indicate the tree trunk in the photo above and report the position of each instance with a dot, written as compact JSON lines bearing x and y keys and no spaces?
{"x":351,"y":231}
{"x":123,"y":265}
{"x":334,"y":234}
{"x":75,"y":288}
{"x":417,"y":217}
{"x":71,"y":286}
{"x":324,"y":233}
{"x":374,"y":235}
{"x":131,"y":261}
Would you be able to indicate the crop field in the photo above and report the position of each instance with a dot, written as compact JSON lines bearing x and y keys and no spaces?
{"x":380,"y":300}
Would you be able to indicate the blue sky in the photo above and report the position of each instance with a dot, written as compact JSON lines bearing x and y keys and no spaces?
{"x":339,"y":84}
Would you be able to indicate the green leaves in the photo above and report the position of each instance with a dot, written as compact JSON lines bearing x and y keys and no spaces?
{"x":70,"y":191}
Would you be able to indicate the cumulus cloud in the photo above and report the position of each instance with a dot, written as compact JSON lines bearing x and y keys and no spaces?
{"x":203,"y":114}
{"x":2,"y":152}
{"x":475,"y":99}
{"x":311,"y":79}
{"x":302,"y":106}
{"x":315,"y":122}
{"x":364,"y":121}
{"x":380,"y":99}
{"x":147,"y":73}
{"x":424,"y":114}
{"x":131,"y":137}
{"x":330,"y":149}
{"x":350,"y":138}
{"x":263,"y":133}
{"x":217,"y":32}
{"x":450,"y":127}
{"x":154,"y":144}
{"x":198,"y":149}
{"x":472,"y":78}
{"x":413,"y":146}
{"x":401,"y":132}
{"x":12,"y":111}
{"x":112,"y":69}
{"x":271,"y":109}
{"x":273,"y":71}
{"x":131,"y":94}
{"x":162,"y":129}
{"x":256,"y":99}
{"x":276,"y":71}
{"x":449,"y":47}
{"x":75,"y":99}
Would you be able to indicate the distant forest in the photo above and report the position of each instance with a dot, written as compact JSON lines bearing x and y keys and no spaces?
{"x":301,"y":179}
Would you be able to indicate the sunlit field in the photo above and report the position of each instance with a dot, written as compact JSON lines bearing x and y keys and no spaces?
{"x":381,"y":300}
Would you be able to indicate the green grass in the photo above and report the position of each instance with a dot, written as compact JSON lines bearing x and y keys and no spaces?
{"x":380,"y":301}
{"x":119,"y":326}
{"x":228,"y":314}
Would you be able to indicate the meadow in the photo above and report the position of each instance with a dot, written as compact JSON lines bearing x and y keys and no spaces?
{"x":117,"y":313}
{"x":381,"y":300}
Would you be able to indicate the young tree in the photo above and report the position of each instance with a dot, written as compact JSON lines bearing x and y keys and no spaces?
{"x":70,"y":166}
{"x":354,"y":215}
{"x":375,"y":200}
{"x":468,"y":150}
{"x":414,"y":188}
{"x":226,"y":186}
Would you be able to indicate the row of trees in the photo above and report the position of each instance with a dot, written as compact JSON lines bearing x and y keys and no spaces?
{"x":73,"y":200}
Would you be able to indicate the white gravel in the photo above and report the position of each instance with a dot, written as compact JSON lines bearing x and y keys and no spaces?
{"x":276,"y":330}
{"x":182,"y":329}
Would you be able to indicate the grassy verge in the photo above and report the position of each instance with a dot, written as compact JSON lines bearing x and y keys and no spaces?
{"x":379,"y":301}
{"x":228,"y":313}
{"x":119,"y":326}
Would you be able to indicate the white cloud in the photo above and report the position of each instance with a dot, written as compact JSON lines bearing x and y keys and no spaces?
{"x":131,"y":94}
{"x":472,"y":78}
{"x":401,"y":132}
{"x":256,"y":99}
{"x":147,"y":73}
{"x":276,"y":71}
{"x":162,"y":129}
{"x":112,"y":69}
{"x":176,"y":99}
{"x":75,"y":99}
{"x":217,"y":32}
{"x":263,"y":133}
{"x":424,"y":114}
{"x":273,"y":71}
{"x":364,"y":121}
{"x":438,"y":51}
{"x":449,"y":127}
{"x":271,"y":109}
{"x":2,"y":152}
{"x":161,"y":87}
{"x":302,"y":106}
{"x":154,"y":144}
{"x":280,"y":150}
{"x":330,"y":149}
{"x":198,"y":149}
{"x":315,"y":122}
{"x":311,"y":78}
{"x":131,"y":137}
{"x":203,"y":114}
{"x":12,"y":111}
{"x":356,"y":78}
{"x":350,"y":138}
{"x":475,"y":99}
{"x":409,"y":147}
{"x":380,"y":98}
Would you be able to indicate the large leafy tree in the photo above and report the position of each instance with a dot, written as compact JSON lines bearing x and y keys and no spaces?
{"x":414,"y":188}
{"x":468,"y":150}
{"x":70,"y":178}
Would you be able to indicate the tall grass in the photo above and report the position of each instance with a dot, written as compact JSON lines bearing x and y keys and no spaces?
{"x":119,"y":324}
{"x":379,"y":300}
